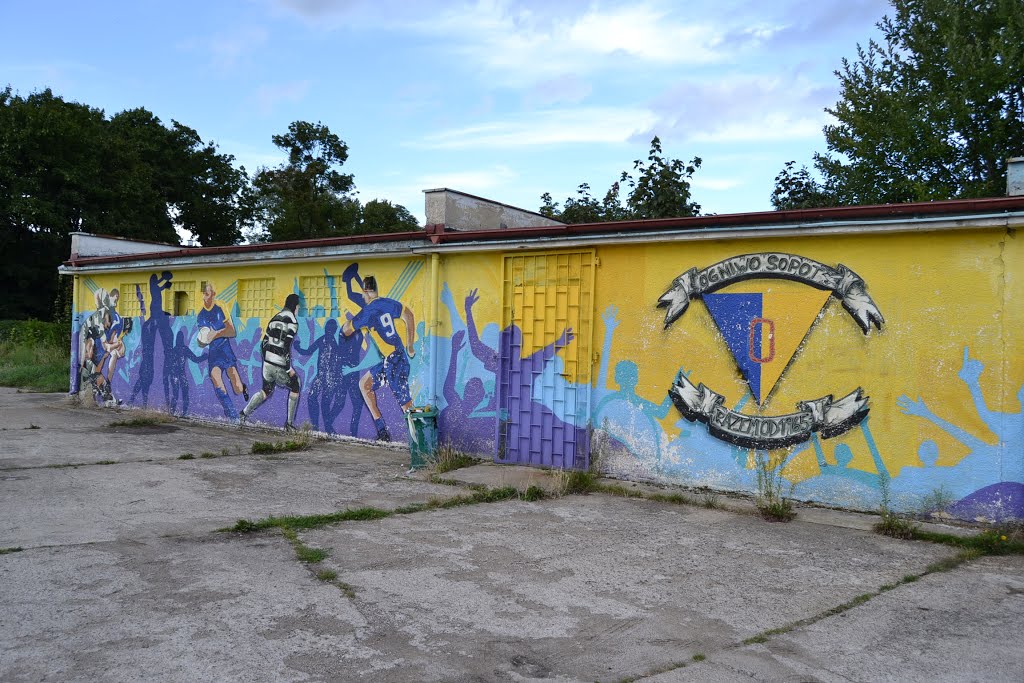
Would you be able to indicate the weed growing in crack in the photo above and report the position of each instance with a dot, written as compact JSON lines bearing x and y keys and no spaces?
{"x":186,"y":456}
{"x":14,"y":549}
{"x":301,"y":443}
{"x":770,"y":502}
{"x":895,"y":526}
{"x":327,"y":575}
{"x":533,"y":493}
{"x":711,"y":500}
{"x":447,"y":458}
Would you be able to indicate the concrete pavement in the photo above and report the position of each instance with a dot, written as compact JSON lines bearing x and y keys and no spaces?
{"x":122,"y":575}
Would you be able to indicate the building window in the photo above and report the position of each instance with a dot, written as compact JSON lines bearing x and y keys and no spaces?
{"x":255,"y":297}
{"x":128,"y":304}
{"x":180,"y":298}
{"x":316,"y":295}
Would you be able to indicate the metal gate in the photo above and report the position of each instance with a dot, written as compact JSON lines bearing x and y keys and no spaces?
{"x":545,"y":359}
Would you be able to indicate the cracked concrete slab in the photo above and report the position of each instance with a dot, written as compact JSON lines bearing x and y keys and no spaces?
{"x":123,"y":578}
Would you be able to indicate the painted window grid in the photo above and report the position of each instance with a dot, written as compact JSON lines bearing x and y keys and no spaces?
{"x":181,"y":298}
{"x":255,"y":297}
{"x":316,"y":293}
{"x":128,"y":302}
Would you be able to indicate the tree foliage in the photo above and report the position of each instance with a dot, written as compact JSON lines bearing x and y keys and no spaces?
{"x":799,"y":190}
{"x":307,"y":196}
{"x":931,"y":112}
{"x":380,"y":215}
{"x":661,"y":189}
{"x":66,"y":167}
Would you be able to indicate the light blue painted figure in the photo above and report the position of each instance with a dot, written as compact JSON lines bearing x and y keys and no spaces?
{"x":696,"y":457}
{"x":627,"y":417}
{"x":841,"y":484}
{"x":986,"y":464}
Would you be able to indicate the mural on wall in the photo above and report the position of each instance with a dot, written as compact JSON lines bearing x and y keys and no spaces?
{"x":988,"y":482}
{"x":379,"y":317}
{"x":353,"y":355}
{"x":101,"y":345}
{"x":764,"y":331}
{"x":216,"y":330}
{"x":276,"y":350}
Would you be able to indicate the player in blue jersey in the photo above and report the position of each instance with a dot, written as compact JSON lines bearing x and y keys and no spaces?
{"x":379,"y":316}
{"x":221,"y":355}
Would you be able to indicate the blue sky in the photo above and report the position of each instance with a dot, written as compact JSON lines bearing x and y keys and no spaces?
{"x":501,"y":99}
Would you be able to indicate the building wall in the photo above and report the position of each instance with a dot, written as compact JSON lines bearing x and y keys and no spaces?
{"x":889,"y":366}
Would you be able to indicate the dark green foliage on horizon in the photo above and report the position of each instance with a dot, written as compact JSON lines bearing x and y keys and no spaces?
{"x":67,"y":167}
{"x":932,"y":112}
{"x":661,"y":189}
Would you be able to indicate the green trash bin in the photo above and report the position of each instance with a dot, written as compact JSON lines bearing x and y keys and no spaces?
{"x":422,"y":436}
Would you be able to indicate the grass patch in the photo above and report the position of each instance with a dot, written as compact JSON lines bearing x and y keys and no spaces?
{"x":310,"y":555}
{"x":699,"y":657}
{"x":615,"y":490}
{"x":207,"y":455}
{"x":327,"y":575}
{"x":303,"y":522}
{"x":447,"y":458}
{"x":944,"y":565}
{"x":186,"y":456}
{"x":107,"y":462}
{"x":32,"y":426}
{"x":267,"y":447}
{"x":8,"y":551}
{"x":892,"y":525}
{"x":534,"y":492}
{"x":36,"y":365}
{"x":575,"y":482}
{"x":147,"y":420}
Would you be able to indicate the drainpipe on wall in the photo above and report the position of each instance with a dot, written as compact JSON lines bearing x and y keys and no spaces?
{"x":74,"y":360}
{"x":434,"y":326}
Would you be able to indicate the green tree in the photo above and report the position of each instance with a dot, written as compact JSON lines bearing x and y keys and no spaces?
{"x":661,"y":189}
{"x":799,"y":190}
{"x":380,"y":215}
{"x":307,"y":196}
{"x":65,"y":167}
{"x":934,"y":110}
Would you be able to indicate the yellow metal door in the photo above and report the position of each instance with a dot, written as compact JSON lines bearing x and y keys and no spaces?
{"x":545,"y":370}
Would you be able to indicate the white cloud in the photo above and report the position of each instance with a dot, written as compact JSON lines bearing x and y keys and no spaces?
{"x":742,"y":109}
{"x":482,"y":181}
{"x":569,"y":89}
{"x":228,"y":49}
{"x":548,"y":127}
{"x":714,"y":184}
{"x":270,"y":95}
{"x":519,"y":45}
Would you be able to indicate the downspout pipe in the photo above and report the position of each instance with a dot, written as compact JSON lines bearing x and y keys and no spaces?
{"x":434,"y":326}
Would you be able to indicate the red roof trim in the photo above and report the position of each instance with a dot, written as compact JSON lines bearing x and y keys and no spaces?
{"x":437,"y":234}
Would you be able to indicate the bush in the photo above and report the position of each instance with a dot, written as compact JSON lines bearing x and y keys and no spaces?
{"x":35,"y":332}
{"x":34,"y":355}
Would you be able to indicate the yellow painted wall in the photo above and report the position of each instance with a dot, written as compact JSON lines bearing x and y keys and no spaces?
{"x":942,"y":294}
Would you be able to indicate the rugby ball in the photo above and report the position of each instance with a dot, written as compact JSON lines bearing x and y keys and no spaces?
{"x":205,"y":336}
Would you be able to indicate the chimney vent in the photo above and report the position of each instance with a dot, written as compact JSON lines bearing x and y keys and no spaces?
{"x":1015,"y":177}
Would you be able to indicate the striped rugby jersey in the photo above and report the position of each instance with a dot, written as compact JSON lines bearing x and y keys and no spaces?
{"x":277,"y":341}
